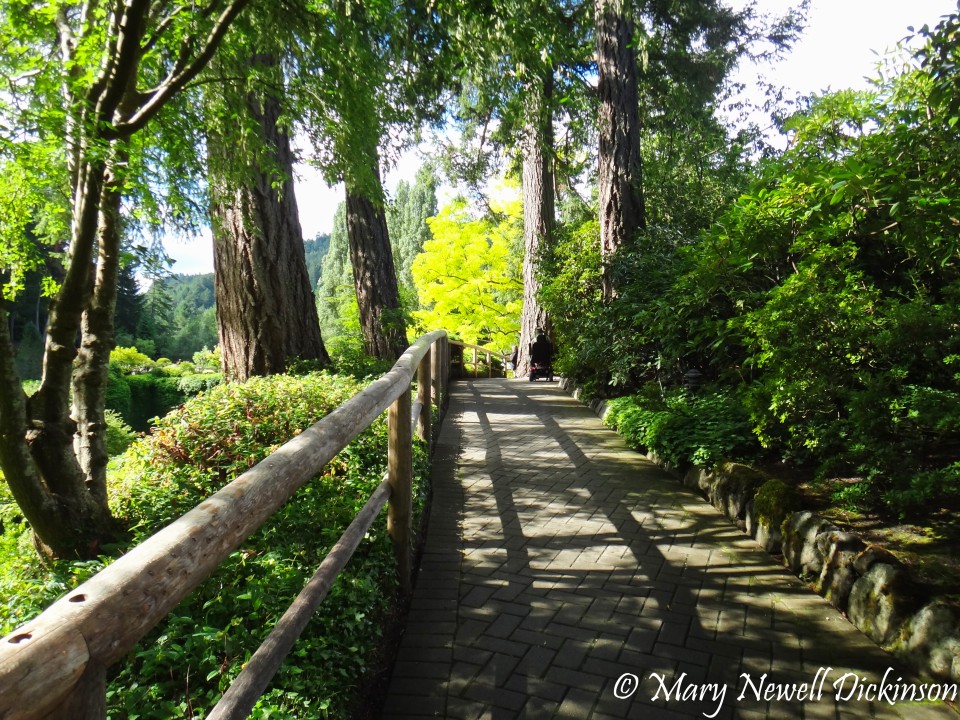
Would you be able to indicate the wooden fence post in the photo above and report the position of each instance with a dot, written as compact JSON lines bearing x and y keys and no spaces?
{"x":445,"y":371}
{"x":489,"y":365}
{"x":88,"y":699}
{"x":423,"y":396}
{"x":436,"y":360}
{"x":400,"y":476}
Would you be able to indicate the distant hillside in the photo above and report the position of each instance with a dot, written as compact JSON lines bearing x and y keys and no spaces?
{"x":195,"y":293}
{"x":315,"y":250}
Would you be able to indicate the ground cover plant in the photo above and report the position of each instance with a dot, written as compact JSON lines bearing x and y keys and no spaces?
{"x":181,"y":668}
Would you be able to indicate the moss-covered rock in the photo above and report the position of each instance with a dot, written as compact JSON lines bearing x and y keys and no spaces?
{"x":881,"y":602}
{"x":734,"y":487}
{"x":773,"y":501}
{"x":801,"y":552}
{"x":839,"y":551}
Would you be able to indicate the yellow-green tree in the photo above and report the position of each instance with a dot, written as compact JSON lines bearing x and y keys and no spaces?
{"x":469,"y":277}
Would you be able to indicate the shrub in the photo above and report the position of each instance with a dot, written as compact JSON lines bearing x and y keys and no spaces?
{"x":349,"y":358}
{"x":130,"y":360}
{"x":207,"y":360}
{"x":684,"y":428}
{"x":151,"y":396}
{"x":120,"y":436}
{"x":198,"y":382}
{"x":193,"y":452}
{"x":118,"y":397}
{"x":180,"y":669}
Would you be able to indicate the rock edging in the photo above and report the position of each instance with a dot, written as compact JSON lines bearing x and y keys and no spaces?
{"x":865,"y":581}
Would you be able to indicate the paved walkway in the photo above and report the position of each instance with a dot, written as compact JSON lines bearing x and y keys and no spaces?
{"x":565,"y":576}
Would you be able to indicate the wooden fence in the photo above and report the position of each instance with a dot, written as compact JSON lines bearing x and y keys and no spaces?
{"x":477,"y":350}
{"x":55,"y":665}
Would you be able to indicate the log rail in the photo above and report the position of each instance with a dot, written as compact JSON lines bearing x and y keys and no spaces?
{"x":55,"y":665}
{"x":489,"y":353}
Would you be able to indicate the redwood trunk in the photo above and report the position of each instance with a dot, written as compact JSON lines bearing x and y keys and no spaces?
{"x":538,"y":215}
{"x":622,"y":211}
{"x":266,"y":311}
{"x":374,"y":276}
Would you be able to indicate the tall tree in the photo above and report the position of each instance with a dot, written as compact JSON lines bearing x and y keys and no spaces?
{"x":374,"y":274}
{"x":129,"y":304}
{"x":407,"y":221}
{"x":662,"y":68}
{"x":112,"y":71}
{"x":538,"y":212}
{"x":520,"y":76}
{"x":336,"y":278}
{"x":266,"y":311}
{"x":622,"y":212}
{"x":377,"y":73}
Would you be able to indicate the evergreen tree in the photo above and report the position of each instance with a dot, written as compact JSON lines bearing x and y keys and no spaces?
{"x":129,"y":305}
{"x":315,"y":250}
{"x":407,"y":221}
{"x":335,"y":285}
{"x":266,"y":312}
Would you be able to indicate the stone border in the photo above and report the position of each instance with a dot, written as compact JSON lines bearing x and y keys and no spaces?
{"x":866,"y":582}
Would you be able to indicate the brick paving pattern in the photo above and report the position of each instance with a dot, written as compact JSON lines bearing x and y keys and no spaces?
{"x":557,"y":560}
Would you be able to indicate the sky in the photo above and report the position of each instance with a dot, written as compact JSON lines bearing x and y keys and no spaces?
{"x":839,"y":49}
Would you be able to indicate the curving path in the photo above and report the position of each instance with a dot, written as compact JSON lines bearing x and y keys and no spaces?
{"x":566,"y":576}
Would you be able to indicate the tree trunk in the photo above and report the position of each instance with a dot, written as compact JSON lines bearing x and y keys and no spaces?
{"x":538,"y":214}
{"x":97,"y":339}
{"x":54,"y":462}
{"x":266,"y":311}
{"x":53,"y":466}
{"x":374,"y":277}
{"x":622,"y":211}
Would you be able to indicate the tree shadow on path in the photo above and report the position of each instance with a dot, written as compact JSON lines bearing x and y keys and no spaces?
{"x":560,"y":566}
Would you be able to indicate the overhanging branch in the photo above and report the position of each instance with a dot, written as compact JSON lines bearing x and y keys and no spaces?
{"x":181,"y":75}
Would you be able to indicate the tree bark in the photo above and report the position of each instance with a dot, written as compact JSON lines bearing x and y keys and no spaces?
{"x":266,"y":311}
{"x":54,"y":461}
{"x":538,"y":213}
{"x":374,"y":276}
{"x":622,"y":211}
{"x":97,"y":338}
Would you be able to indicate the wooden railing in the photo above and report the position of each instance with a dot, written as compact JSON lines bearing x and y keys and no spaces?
{"x":490,"y":354}
{"x":55,"y":665}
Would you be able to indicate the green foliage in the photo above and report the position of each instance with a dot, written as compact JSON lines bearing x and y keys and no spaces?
{"x":685,"y":428}
{"x":407,"y":225}
{"x":120,"y":436}
{"x":118,"y":396}
{"x":336,"y":297}
{"x":151,"y":396}
{"x":824,"y":301}
{"x":179,"y":315}
{"x":138,"y":392}
{"x":314,"y":251}
{"x":130,"y":360}
{"x":468,"y":276}
{"x":193,"y":452}
{"x":206,"y":360}
{"x":194,"y":383}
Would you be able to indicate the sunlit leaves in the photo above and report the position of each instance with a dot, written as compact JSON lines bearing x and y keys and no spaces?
{"x":468,"y":276}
